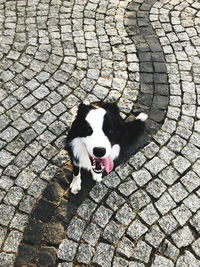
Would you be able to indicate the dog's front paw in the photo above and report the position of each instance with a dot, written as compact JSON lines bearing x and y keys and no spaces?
{"x":97,"y":177}
{"x":75,"y":185}
{"x":115,"y":151}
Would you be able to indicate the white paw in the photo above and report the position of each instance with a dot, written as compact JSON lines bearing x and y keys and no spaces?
{"x":142,"y":117}
{"x":97,"y":177}
{"x":115,"y":151}
{"x":75,"y":185}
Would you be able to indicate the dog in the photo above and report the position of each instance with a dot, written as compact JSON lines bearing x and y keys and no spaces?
{"x":97,"y":137}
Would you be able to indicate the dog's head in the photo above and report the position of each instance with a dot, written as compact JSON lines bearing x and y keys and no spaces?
{"x":97,"y":126}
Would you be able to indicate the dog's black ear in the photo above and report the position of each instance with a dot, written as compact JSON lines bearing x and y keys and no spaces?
{"x":82,"y":107}
{"x":112,"y":107}
{"x":80,"y":116}
{"x":82,"y":110}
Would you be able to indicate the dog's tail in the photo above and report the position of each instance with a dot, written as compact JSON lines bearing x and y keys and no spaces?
{"x":135,"y":128}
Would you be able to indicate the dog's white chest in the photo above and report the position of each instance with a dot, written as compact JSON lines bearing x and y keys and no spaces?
{"x":80,"y":152}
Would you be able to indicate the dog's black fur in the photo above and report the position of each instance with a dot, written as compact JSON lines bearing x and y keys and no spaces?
{"x":115,"y":128}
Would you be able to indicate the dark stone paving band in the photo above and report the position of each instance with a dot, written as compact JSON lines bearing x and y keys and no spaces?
{"x":57,"y":206}
{"x":154,"y":89}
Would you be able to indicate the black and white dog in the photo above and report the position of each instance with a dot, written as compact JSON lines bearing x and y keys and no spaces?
{"x":96,"y":138}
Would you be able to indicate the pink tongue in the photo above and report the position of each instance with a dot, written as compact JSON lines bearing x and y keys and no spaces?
{"x":108,"y":164}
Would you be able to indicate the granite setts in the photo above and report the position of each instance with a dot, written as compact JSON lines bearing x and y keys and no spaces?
{"x":144,"y":54}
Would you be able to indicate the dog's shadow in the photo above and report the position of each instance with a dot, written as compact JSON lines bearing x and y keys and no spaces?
{"x":87,"y":184}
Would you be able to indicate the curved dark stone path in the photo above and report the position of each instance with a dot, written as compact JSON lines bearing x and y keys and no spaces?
{"x":144,"y":54}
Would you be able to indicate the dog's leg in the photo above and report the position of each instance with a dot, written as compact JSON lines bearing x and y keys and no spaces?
{"x":96,"y":176}
{"x":75,"y":185}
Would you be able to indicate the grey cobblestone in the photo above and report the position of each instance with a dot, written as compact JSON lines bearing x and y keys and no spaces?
{"x":75,"y":229}
{"x":155,"y":165}
{"x":91,"y":234}
{"x":13,"y":241}
{"x":168,"y":223}
{"x":125,"y":215}
{"x":155,"y":236}
{"x":182,"y":214}
{"x":126,"y":247}
{"x":67,"y":250}
{"x":162,"y":261}
{"x":142,"y":251}
{"x":192,"y":202}
{"x":195,"y":221}
{"x":178,"y":192}
{"x":14,"y":196}
{"x":137,"y":160}
{"x":169,"y":250}
{"x":127,"y":187}
{"x":19,"y":221}
{"x":85,"y":253}
{"x":191,"y":181}
{"x":149,"y":214}
{"x":113,"y":232}
{"x":7,"y":259}
{"x":181,"y":164}
{"x":114,"y":201}
{"x":183,"y":237}
{"x":169,"y":175}
{"x":136,"y":229}
{"x":156,"y":188}
{"x":188,"y":259}
{"x":86,"y":209}
{"x":98,"y":192}
{"x":145,"y":56}
{"x":104,"y":251}
{"x":102,"y":216}
{"x":141,"y":177}
{"x":27,"y":204}
{"x":195,"y":247}
{"x":139,"y":199}
{"x":119,"y":262}
{"x":6,"y":183}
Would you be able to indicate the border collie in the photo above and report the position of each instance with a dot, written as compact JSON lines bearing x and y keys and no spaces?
{"x":97,"y":137}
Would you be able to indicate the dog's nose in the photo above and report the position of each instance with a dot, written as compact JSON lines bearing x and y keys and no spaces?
{"x":99,"y":152}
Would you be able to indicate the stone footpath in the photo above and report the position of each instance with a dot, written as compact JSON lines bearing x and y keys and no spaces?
{"x":144,"y":54}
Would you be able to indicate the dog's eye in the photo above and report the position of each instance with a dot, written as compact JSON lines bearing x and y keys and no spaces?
{"x":89,"y":130}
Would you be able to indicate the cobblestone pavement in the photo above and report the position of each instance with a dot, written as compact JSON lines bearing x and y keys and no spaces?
{"x":144,"y":54}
